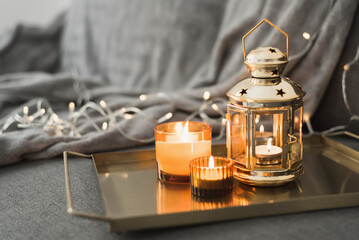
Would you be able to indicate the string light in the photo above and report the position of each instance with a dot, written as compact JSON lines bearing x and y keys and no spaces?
{"x":103,"y":104}
{"x":206,"y":95}
{"x":306,"y":35}
{"x":166,"y":117}
{"x":128,"y":116}
{"x":50,"y":122}
{"x":25,"y":110}
{"x":71,"y":106}
{"x":143,"y":97}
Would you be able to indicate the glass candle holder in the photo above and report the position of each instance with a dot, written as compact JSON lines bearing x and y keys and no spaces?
{"x":177,"y":143}
{"x":211,"y":176}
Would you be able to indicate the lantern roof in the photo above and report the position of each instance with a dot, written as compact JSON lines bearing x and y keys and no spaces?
{"x":261,"y":90}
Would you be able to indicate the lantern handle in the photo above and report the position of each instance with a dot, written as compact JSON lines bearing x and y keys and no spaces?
{"x":270,"y":23}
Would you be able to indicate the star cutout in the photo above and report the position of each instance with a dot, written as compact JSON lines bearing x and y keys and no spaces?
{"x":244,"y":91}
{"x":272,"y":50}
{"x":275,"y":72}
{"x":280,"y":92}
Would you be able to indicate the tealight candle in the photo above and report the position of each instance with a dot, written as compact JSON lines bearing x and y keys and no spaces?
{"x":176,"y":144}
{"x":211,"y":176}
{"x":269,"y":154}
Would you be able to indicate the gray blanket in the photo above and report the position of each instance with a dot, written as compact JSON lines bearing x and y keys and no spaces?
{"x":122,"y":49}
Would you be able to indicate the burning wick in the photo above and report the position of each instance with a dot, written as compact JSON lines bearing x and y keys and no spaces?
{"x":269,"y":144}
{"x":211,"y":162}
{"x":261,"y":130}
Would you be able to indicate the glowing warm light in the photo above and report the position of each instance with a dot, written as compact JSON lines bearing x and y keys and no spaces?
{"x":124,"y":175}
{"x":224,"y":121}
{"x":215,"y":107}
{"x":185,"y":135}
{"x":42,"y":111}
{"x":177,"y":145}
{"x":107,"y":174}
{"x":122,"y":110}
{"x":257,"y":118}
{"x":71,"y":106}
{"x":206,"y":95}
{"x":54,"y":117}
{"x":346,"y":67}
{"x":165,"y":117}
{"x":31,"y":118}
{"x":128,"y":116}
{"x":261,"y":129}
{"x":104,"y":125}
{"x":25,"y":110}
{"x":306,"y":35}
{"x":236,"y":119}
{"x":168,"y":115}
{"x":306,"y":117}
{"x":269,"y":144}
{"x":211,"y":162}
{"x":143,"y":97}
{"x":103,"y":104}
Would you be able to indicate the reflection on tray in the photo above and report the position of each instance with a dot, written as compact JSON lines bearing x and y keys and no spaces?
{"x":131,"y":190}
{"x":244,"y":195}
{"x":172,"y":198}
{"x":133,"y":198}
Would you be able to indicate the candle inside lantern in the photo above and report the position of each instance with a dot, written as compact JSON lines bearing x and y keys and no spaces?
{"x":268,"y":151}
{"x":211,"y":176}
{"x":176,"y":144}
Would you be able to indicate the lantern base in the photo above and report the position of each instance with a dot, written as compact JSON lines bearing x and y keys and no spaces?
{"x":266,"y":178}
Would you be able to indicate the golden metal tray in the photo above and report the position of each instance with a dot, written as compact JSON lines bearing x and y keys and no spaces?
{"x":134,"y":199}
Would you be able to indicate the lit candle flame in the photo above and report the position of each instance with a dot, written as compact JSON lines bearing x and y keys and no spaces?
{"x":269,"y":144}
{"x":211,"y":162}
{"x":261,"y":130}
{"x":185,"y":135}
{"x":143,"y":97}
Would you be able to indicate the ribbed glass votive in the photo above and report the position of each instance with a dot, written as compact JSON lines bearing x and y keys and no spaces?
{"x":211,"y":176}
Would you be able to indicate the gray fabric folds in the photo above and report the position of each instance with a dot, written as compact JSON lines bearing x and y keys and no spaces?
{"x":181,"y":48}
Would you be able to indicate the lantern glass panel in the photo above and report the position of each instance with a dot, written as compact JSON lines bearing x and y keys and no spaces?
{"x":268,"y":140}
{"x":296,"y":137}
{"x":237,"y":134}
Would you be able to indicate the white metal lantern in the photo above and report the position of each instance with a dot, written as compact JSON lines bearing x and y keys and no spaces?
{"x":264,"y":120}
